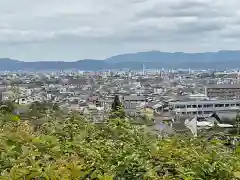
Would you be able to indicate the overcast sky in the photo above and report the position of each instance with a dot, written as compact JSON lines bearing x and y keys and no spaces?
{"x":78,"y":29}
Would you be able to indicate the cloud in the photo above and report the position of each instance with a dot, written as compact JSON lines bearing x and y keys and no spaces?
{"x":100,"y":28}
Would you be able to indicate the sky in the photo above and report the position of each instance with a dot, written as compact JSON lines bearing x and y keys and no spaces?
{"x":69,"y":30}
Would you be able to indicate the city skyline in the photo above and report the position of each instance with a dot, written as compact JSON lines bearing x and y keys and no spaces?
{"x":97,"y":29}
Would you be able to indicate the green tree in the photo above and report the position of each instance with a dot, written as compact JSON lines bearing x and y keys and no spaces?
{"x":7,"y":107}
{"x":70,"y":147}
{"x":238,"y":122}
{"x":117,"y":108}
{"x":116,"y":105}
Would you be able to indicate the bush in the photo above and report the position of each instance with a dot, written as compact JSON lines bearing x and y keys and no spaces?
{"x":72,"y":148}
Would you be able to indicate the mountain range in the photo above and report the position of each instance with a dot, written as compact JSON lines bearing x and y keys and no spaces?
{"x":150,"y":59}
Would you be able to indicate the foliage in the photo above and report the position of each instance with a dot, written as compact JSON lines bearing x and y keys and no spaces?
{"x":40,"y":109}
{"x":117,"y":108}
{"x":7,"y":107}
{"x":238,"y":122}
{"x":69,"y":147}
{"x":116,"y":103}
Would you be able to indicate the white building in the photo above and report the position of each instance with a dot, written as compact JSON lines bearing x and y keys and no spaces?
{"x":198,"y":96}
{"x":204,"y":108}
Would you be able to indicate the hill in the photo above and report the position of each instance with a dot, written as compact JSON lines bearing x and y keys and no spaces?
{"x":151,"y":59}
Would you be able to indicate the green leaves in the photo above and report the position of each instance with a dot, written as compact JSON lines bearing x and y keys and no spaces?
{"x":70,"y":148}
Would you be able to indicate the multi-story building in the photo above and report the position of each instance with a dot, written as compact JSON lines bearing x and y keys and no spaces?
{"x":225,"y":108}
{"x":131,"y":104}
{"x":223,"y":91}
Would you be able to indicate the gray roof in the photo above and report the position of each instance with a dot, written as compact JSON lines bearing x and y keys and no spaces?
{"x":179,"y":126}
{"x":205,"y":102}
{"x":224,"y":86}
{"x":106,"y":100}
{"x":134,"y":98}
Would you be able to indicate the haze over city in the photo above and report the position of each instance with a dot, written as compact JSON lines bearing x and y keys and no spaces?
{"x":76,"y":29}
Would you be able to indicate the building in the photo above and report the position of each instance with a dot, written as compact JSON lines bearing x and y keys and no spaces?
{"x":132,"y":101}
{"x":132,"y":104}
{"x":2,"y":90}
{"x":224,"y":108}
{"x":223,"y":91}
{"x":105,"y":103}
{"x":198,"y":96}
{"x":93,"y":114}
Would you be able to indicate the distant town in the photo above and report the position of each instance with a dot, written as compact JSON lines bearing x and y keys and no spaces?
{"x":161,"y":96}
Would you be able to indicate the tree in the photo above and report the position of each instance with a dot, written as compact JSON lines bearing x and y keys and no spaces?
{"x":117,"y":108}
{"x":68,"y":147}
{"x":116,"y":105}
{"x":7,"y":107}
{"x":238,"y":122}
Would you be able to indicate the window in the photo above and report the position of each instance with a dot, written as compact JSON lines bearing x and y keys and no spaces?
{"x":207,"y":105}
{"x":219,"y":105}
{"x":207,"y":112}
{"x":180,"y":106}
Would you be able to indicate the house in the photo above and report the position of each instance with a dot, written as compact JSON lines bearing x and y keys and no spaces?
{"x":7,"y":95}
{"x":93,"y":114}
{"x":105,"y":103}
{"x":132,"y":101}
{"x":132,"y":104}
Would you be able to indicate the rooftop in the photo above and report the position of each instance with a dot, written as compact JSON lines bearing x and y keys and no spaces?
{"x":224,"y":86}
{"x":134,"y":98}
{"x":205,"y":102}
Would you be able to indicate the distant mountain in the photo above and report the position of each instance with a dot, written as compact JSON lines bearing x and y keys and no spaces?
{"x":10,"y":64}
{"x":158,"y":56}
{"x":151,"y":59}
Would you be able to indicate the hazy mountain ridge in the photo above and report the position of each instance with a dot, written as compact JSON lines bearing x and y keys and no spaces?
{"x":151,"y":59}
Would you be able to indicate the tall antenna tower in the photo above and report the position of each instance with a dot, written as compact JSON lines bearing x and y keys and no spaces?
{"x":143,"y":69}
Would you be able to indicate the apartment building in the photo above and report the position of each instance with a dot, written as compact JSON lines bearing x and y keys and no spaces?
{"x":204,"y":108}
{"x":223,"y":91}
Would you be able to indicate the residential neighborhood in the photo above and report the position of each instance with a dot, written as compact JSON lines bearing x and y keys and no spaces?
{"x":159,"y":96}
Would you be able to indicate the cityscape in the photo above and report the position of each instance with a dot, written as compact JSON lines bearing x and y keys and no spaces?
{"x":119,"y":90}
{"x":159,"y":96}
